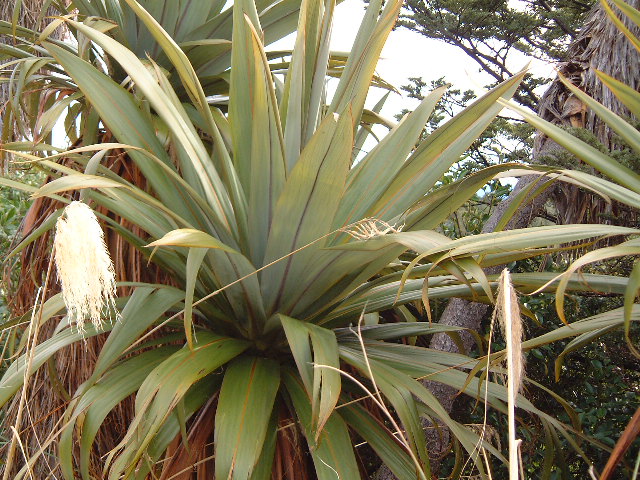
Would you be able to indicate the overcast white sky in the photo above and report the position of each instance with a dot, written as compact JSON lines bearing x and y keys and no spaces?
{"x":409,"y":54}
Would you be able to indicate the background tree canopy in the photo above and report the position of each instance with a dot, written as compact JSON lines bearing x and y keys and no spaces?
{"x":492,"y":31}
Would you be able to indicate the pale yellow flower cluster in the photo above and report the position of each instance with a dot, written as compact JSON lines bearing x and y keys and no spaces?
{"x":84,"y":267}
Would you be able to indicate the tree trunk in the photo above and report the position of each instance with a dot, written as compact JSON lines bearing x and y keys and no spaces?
{"x":598,"y":46}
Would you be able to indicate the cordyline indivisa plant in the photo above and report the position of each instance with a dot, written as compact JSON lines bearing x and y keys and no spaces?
{"x":281,"y":338}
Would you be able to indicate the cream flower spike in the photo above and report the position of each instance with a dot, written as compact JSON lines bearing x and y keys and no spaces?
{"x":84,"y":267}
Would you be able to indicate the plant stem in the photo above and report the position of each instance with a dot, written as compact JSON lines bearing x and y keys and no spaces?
{"x":511,"y":387}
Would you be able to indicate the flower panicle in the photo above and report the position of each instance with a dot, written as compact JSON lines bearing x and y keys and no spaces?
{"x":84,"y":267}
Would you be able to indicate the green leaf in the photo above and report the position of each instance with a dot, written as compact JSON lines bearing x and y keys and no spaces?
{"x":326,"y":381}
{"x":334,"y":276}
{"x":358,"y":72}
{"x":332,"y":454}
{"x":364,"y":131}
{"x":177,"y":57}
{"x":298,"y":339}
{"x":526,"y":238}
{"x":577,"y":343}
{"x":194,"y":260}
{"x":243,"y":297}
{"x":183,"y":65}
{"x":192,"y":402}
{"x":75,"y":182}
{"x":264,"y":468}
{"x":48,"y":119}
{"x":604,"y":188}
{"x":632,"y":13}
{"x":244,"y":410}
{"x":322,"y":384}
{"x":384,"y":295}
{"x":193,"y":154}
{"x":146,"y":306}
{"x":627,"y":95}
{"x":303,"y":91}
{"x":96,"y":403}
{"x":392,"y":331}
{"x":123,"y":117}
{"x":438,"y":152}
{"x":612,"y":318}
{"x":370,"y":177}
{"x":629,"y":298}
{"x":305,"y":210}
{"x":258,"y":149}
{"x":404,"y":405}
{"x":14,"y":375}
{"x":381,"y":439}
{"x":395,"y":386}
{"x":630,"y":247}
{"x":162,"y":391}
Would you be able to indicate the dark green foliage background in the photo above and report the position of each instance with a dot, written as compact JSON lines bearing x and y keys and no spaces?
{"x":13,"y":207}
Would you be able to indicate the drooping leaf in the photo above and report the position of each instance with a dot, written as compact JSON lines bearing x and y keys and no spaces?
{"x":319,"y":370}
{"x":163,"y":389}
{"x":193,"y":154}
{"x":75,"y":182}
{"x":332,"y":454}
{"x":192,"y":238}
{"x":377,"y":435}
{"x":194,"y":261}
{"x":123,"y":117}
{"x":298,"y":339}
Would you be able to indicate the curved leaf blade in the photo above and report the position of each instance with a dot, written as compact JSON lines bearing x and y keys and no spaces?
{"x":192,"y":238}
{"x":332,"y":454}
{"x":162,"y":391}
{"x":244,"y":411}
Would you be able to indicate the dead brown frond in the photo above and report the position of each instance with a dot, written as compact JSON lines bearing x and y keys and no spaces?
{"x":599,"y":46}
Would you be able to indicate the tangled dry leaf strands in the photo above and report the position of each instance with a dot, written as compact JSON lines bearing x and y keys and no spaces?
{"x":369,"y":228}
{"x":85,"y":269}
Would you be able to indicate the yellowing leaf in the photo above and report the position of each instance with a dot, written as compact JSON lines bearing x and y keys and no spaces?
{"x":190,"y":237}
